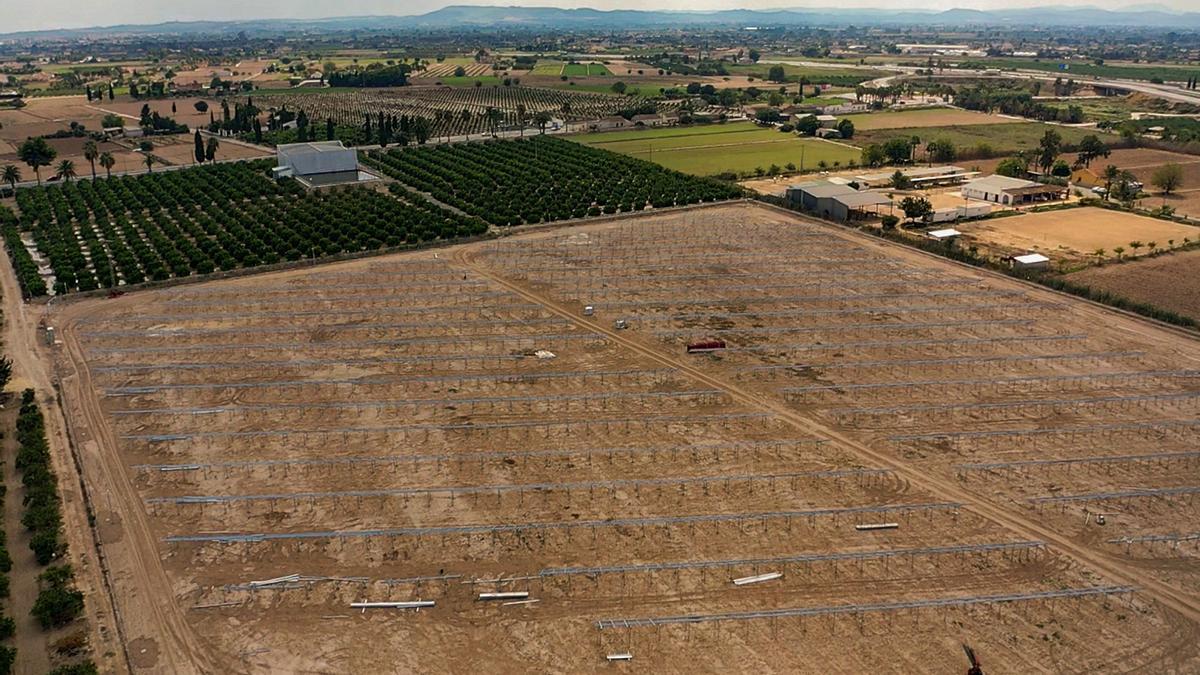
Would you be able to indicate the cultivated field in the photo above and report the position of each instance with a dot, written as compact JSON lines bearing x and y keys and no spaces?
{"x":438,"y":425}
{"x":452,"y":111}
{"x":1007,"y":138}
{"x":1078,"y":232}
{"x":927,"y":117}
{"x":1169,"y":281}
{"x":710,"y":150}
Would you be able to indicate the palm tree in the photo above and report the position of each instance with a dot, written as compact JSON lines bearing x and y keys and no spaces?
{"x":1099,"y":253}
{"x":108,"y":162}
{"x":66,"y":170}
{"x":1135,"y":245}
{"x":91,"y":152}
{"x":11,"y":176}
{"x":521,"y":117}
{"x":149,"y":161}
{"x":1119,"y":250}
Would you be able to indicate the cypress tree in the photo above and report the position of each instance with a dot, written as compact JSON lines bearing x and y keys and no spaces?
{"x":199,"y":151}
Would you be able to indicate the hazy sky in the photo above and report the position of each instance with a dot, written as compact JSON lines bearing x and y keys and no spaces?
{"x":16,"y":15}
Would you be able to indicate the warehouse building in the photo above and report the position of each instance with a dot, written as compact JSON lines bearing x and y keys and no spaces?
{"x":319,"y":164}
{"x":837,"y":202}
{"x":1011,"y":191}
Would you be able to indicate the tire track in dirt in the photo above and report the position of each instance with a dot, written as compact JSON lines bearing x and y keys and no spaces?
{"x":30,"y":369}
{"x":941,"y":488}
{"x":151,"y":615}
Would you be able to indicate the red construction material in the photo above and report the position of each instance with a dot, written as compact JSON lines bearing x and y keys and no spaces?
{"x":701,"y":346}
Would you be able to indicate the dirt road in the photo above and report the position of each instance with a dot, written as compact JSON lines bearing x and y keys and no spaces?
{"x":31,"y":369}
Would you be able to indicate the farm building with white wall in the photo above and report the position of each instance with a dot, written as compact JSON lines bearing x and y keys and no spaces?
{"x":1011,"y":191}
{"x":317,"y":164}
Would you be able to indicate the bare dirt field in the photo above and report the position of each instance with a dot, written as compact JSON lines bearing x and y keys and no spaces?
{"x":1077,"y":232}
{"x":1169,"y":281}
{"x":440,"y":425}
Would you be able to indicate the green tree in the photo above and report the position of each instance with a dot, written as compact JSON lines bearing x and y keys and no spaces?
{"x":915,"y":207}
{"x":618,"y":87}
{"x":776,"y":73}
{"x":1048,"y":149}
{"x":1167,"y":178}
{"x":1011,"y":167}
{"x":808,"y":125}
{"x":898,"y":150}
{"x":198,"y":147}
{"x":941,"y":150}
{"x":66,"y":170}
{"x":210,"y":149}
{"x":36,"y":152}
{"x":1091,"y":147}
{"x":872,"y":155}
{"x":91,"y":152}
{"x":108,"y":162}
{"x":900,"y":181}
{"x":542,"y":120}
{"x":57,"y":602}
{"x":1111,"y":173}
{"x":11,"y":175}
{"x":148,"y":160}
{"x":846,"y":128}
{"x":1060,"y":169}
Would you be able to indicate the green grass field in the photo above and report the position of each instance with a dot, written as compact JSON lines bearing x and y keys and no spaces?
{"x":575,"y":70}
{"x":814,"y":75}
{"x":547,"y":68}
{"x":1003,"y":138}
{"x":1079,"y":69}
{"x":710,"y":150}
{"x":597,"y":70}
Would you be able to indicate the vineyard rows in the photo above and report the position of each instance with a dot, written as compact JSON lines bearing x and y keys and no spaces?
{"x":452,"y":111}
{"x":542,"y":179}
{"x":447,"y":70}
{"x":127,"y":230}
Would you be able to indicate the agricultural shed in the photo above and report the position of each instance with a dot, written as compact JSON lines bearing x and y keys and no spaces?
{"x":943,"y":235}
{"x":1011,"y":191}
{"x":854,"y":205}
{"x":805,"y":195}
{"x":1030,"y":261}
{"x":307,"y":159}
{"x":317,"y":162}
{"x":920,"y":176}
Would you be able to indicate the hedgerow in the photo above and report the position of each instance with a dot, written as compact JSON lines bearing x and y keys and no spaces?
{"x":542,"y":179}
{"x":43,"y":507}
{"x":220,"y":217}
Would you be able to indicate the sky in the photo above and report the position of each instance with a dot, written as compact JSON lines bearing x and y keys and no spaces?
{"x":48,"y":14}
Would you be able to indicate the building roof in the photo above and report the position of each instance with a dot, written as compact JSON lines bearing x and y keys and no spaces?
{"x":913,"y":172}
{"x":646,"y":116}
{"x":821,"y":190}
{"x":314,"y":158}
{"x":857,"y":200}
{"x":1031,"y":258}
{"x":943,"y":234}
{"x":997,"y":183}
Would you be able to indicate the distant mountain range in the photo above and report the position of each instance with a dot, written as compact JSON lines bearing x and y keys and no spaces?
{"x":489,"y":17}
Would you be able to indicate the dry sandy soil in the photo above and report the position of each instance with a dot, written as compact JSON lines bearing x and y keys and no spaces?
{"x":383,"y":429}
{"x":1077,"y":232}
{"x":1169,"y":281}
{"x":43,"y":116}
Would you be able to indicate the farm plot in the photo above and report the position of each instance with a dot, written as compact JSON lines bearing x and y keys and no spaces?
{"x":1080,"y":232}
{"x":442,"y":428}
{"x":541,"y":179}
{"x":1168,"y":281}
{"x":1006,"y":138}
{"x":452,"y":111}
{"x":725,"y":148}
{"x":126,"y":230}
{"x":928,"y":117}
